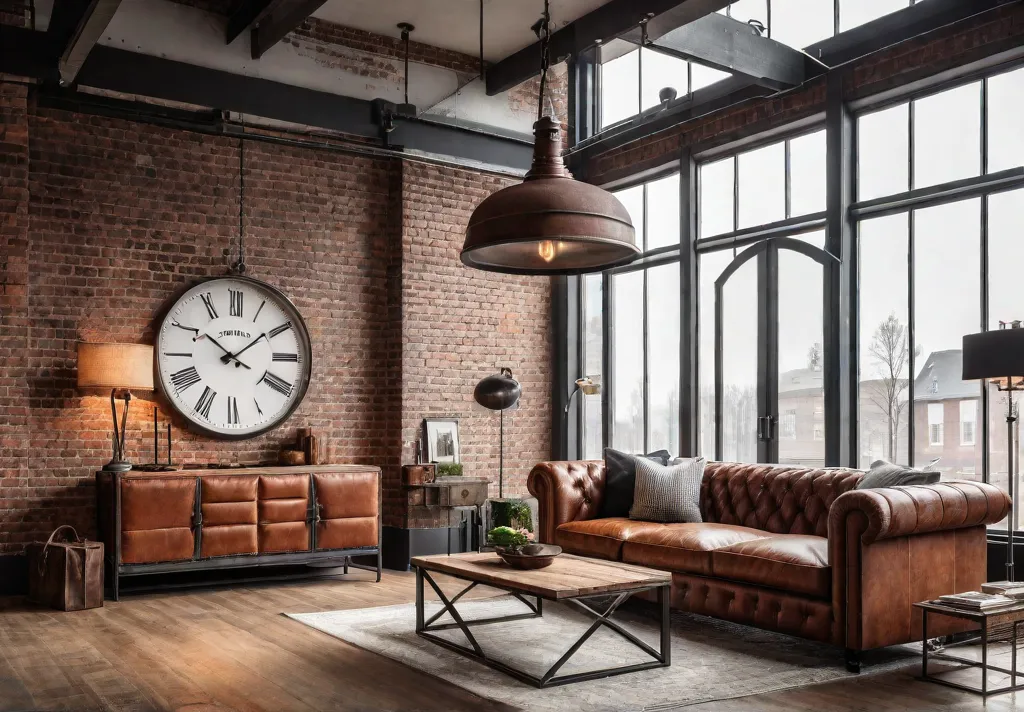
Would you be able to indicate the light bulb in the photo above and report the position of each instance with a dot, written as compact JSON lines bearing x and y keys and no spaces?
{"x":546,"y":250}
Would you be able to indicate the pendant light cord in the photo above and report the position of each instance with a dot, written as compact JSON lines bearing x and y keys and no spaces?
{"x":239,"y":267}
{"x":543,"y":29}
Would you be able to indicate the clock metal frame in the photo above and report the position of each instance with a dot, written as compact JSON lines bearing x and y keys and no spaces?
{"x":299,"y":325}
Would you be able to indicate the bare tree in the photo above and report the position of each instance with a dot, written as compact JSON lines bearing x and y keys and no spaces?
{"x":890,"y":347}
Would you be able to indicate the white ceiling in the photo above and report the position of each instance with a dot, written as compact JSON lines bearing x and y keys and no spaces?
{"x":455,"y":24}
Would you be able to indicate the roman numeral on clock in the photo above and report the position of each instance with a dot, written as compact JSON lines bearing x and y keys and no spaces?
{"x":184,"y":378}
{"x":232,"y":410}
{"x":279,"y":329}
{"x":205,"y":402}
{"x":277,"y":383}
{"x":236,"y":302}
{"x":289,"y":358}
{"x":208,"y":302}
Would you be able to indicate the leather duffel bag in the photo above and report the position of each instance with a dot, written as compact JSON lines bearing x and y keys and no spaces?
{"x":66,"y":572}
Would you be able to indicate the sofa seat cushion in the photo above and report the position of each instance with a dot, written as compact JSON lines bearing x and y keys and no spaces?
{"x":685,"y":547}
{"x":789,"y":562}
{"x":600,"y":538}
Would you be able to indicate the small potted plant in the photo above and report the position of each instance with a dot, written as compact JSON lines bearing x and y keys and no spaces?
{"x":508,"y":539}
{"x":449,"y":469}
{"x":516,"y":548}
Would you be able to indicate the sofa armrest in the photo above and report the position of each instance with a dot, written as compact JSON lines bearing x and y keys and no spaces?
{"x":566,"y":492}
{"x":893,"y":546}
{"x":919,"y":509}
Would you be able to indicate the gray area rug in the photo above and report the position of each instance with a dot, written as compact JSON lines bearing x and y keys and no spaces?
{"x":711,"y":659}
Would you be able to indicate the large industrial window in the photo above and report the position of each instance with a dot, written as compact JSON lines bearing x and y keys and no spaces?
{"x":941,"y":214}
{"x":644,"y":325}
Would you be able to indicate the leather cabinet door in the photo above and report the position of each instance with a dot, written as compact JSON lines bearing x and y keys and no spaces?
{"x":229,"y":515}
{"x":283,"y":513}
{"x":348,"y":505}
{"x":156,"y":519}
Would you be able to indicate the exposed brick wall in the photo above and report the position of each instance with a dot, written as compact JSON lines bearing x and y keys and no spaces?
{"x":965,"y":42}
{"x":104,"y":221}
{"x":460,"y":325}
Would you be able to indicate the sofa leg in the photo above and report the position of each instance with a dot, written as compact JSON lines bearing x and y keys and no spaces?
{"x":852,"y":660}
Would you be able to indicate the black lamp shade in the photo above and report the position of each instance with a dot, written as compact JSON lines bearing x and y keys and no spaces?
{"x":498,"y":392}
{"x":997,"y":354}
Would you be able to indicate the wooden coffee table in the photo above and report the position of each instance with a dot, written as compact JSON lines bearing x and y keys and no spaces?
{"x":571,"y":579}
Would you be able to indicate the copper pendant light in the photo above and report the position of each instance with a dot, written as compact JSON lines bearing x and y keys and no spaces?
{"x":549,"y":224}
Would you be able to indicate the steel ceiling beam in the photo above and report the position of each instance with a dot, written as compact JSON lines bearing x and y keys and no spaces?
{"x":607,"y":22}
{"x":281,"y":20}
{"x":735,"y":47}
{"x":75,"y":27}
{"x":246,"y":14}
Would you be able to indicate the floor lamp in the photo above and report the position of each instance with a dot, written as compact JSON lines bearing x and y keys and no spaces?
{"x":499,"y":392}
{"x":998,"y":356}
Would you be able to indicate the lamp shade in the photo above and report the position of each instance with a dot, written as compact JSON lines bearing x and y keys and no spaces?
{"x":128,"y":366}
{"x":549,"y":224}
{"x":498,"y":392}
{"x":995,"y":355}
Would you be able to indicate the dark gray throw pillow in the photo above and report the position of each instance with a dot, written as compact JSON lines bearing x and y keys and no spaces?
{"x":886,"y":474}
{"x":620,"y":480}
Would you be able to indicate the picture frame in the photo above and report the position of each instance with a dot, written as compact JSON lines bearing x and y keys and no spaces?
{"x":441,"y":440}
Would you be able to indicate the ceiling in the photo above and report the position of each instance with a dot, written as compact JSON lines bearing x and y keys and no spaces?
{"x":455,"y":24}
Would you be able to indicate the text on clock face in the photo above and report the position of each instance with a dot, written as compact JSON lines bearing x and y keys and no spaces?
{"x":231,"y":358}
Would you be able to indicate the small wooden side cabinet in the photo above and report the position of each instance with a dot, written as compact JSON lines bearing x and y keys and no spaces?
{"x":209,"y":520}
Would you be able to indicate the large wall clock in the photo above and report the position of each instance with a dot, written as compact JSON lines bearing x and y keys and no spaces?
{"x":233,"y":357}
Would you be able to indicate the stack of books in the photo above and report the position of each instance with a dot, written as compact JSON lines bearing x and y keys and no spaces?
{"x":1010,"y":589}
{"x":979,"y":601}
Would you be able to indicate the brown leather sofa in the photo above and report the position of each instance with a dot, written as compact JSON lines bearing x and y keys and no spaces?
{"x":794,"y":550}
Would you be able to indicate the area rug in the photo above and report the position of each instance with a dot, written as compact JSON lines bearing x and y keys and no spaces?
{"x":711,"y":659}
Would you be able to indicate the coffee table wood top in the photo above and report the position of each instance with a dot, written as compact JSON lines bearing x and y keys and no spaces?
{"x":568,"y":576}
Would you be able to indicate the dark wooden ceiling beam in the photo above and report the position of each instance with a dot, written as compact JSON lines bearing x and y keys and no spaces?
{"x":607,"y":22}
{"x":732,"y":46}
{"x":75,"y":27}
{"x":247,"y":13}
{"x":281,"y":20}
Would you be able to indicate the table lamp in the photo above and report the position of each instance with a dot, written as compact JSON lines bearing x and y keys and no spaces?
{"x":121,"y":368}
{"x":998,"y":356}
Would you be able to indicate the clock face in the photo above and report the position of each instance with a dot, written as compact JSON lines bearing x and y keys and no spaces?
{"x":234,"y":357}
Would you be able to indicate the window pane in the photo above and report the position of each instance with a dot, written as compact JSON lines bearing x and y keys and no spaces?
{"x":663,"y":212}
{"x":1006,"y":254}
{"x":628,"y":362}
{"x":807,"y":174}
{"x":663,"y":358}
{"x":620,"y":89}
{"x":762,"y":185}
{"x":947,"y":136}
{"x":884,"y":339}
{"x":799,"y":23}
{"x":883,"y":153}
{"x":710,"y":267}
{"x":853,"y":13}
{"x":801,"y":335}
{"x":947,"y":305}
{"x":660,"y":71}
{"x":633,"y":200}
{"x":702,"y":76}
{"x":593,"y":366}
{"x":717,"y":197}
{"x":739,"y":365}
{"x":1005,"y":109}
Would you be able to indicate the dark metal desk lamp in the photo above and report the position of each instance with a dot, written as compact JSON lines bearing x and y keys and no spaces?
{"x":499,"y":392}
{"x":998,"y":356}
{"x":121,"y":368}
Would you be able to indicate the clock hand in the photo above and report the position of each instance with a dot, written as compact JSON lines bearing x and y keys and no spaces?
{"x":227,"y":357}
{"x":230,"y":355}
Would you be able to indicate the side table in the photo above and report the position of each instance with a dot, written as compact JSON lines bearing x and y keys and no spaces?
{"x":1011,"y":617}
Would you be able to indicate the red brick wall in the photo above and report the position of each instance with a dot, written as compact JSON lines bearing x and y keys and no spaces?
{"x":460,"y":325}
{"x":105,"y":221}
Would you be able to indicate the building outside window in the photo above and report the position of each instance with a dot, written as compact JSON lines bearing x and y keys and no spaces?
{"x":968,"y":419}
{"x":936,"y":413}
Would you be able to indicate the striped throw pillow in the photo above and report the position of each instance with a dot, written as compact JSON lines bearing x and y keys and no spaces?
{"x":668,"y":494}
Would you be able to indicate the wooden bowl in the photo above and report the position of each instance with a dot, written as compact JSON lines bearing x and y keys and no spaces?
{"x":531,"y":556}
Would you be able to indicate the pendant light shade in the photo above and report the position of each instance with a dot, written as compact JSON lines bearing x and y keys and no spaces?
{"x":549,"y":224}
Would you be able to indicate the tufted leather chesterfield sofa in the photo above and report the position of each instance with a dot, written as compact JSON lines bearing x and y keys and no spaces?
{"x":794,"y":550}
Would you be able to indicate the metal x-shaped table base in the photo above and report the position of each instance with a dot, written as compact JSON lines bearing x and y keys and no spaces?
{"x":426,"y":628}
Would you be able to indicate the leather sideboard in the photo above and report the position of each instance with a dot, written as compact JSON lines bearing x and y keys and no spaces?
{"x":164,"y":522}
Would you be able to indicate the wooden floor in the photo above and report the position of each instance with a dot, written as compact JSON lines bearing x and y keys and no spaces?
{"x":231,"y":649}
